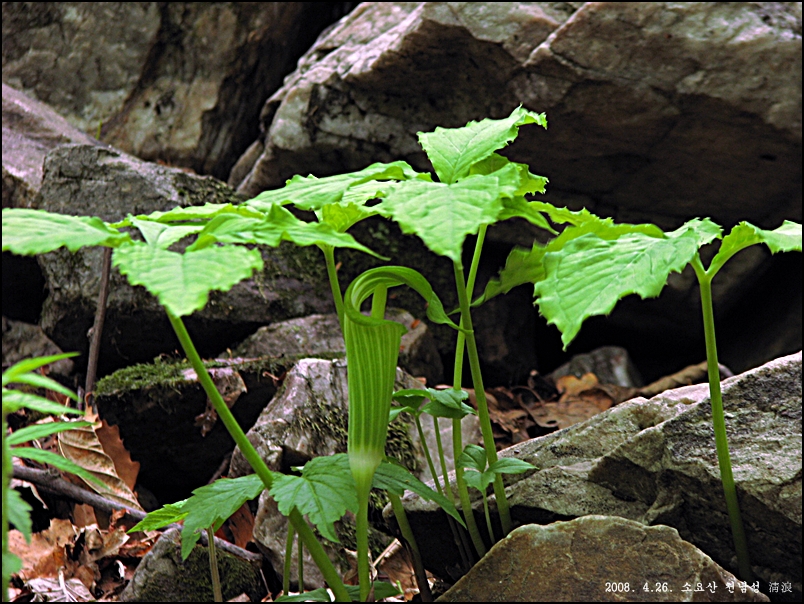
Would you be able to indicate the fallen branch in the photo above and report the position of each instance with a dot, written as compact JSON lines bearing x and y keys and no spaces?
{"x":58,"y":486}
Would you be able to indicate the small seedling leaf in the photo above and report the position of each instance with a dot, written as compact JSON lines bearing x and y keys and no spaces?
{"x":473,"y":457}
{"x":212,"y":504}
{"x":786,"y":238}
{"x":182,"y":282}
{"x":324,"y":492}
{"x":453,"y":151}
{"x":392,"y":477}
{"x":447,"y":403}
{"x":589,"y":274}
{"x":163,"y":235}
{"x":29,"y":232}
{"x":170,"y":513}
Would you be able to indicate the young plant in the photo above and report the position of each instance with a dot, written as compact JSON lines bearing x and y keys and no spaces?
{"x":15,"y":509}
{"x":594,"y":263}
{"x":474,"y":458}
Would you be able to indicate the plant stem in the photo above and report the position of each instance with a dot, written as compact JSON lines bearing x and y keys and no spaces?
{"x":7,"y":468}
{"x":407,"y":534}
{"x":488,"y":517}
{"x":288,"y":560}
{"x":258,"y":465}
{"x":463,"y":492}
{"x":427,"y":455}
{"x":480,"y":395}
{"x":719,"y":423}
{"x":97,"y":327}
{"x":334,"y":285}
{"x":213,"y":566}
{"x":300,"y":564}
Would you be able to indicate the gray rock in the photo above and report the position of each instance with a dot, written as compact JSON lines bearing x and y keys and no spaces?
{"x":611,"y":365}
{"x":162,"y":576}
{"x":85,"y":180}
{"x":320,"y":336}
{"x":667,"y":102}
{"x":181,"y":82}
{"x":25,"y":341}
{"x":30,"y":130}
{"x":654,"y":461}
{"x":597,"y":559}
{"x":307,"y":419}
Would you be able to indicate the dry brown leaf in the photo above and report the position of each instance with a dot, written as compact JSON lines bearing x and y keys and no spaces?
{"x":229,"y":383}
{"x":45,"y":554}
{"x":397,"y":567}
{"x":127,"y":469}
{"x":59,"y":589}
{"x":581,"y":398}
{"x":81,"y":446}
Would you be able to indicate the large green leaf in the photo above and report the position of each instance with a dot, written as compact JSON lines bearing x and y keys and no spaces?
{"x":312,"y":193}
{"x":324,"y":492}
{"x":453,"y":151}
{"x":589,"y":274}
{"x":30,"y":232}
{"x":182,"y":282}
{"x":163,"y":235}
{"x":521,"y":266}
{"x":276,"y":226}
{"x":443,"y":215}
{"x":200,"y":214}
{"x":785,"y":238}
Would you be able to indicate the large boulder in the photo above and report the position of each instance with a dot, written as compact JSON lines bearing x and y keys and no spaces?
{"x":181,"y":82}
{"x":658,"y":112}
{"x":654,"y":461}
{"x":598,"y":559}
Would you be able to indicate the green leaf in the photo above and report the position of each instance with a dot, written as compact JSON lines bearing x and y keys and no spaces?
{"x":342,"y":216}
{"x":14,"y":400}
{"x":26,"y":366}
{"x":30,"y":232}
{"x":589,"y":274}
{"x":182,"y":282}
{"x":786,"y":238}
{"x":521,"y":266}
{"x":324,"y":492}
{"x":212,"y":504}
{"x":510,"y":465}
{"x":312,"y":193}
{"x":19,"y":514}
{"x":276,"y":226}
{"x":200,"y":214}
{"x":392,"y":477}
{"x":473,"y":457}
{"x":443,"y":215}
{"x":56,"y":461}
{"x":453,"y":151}
{"x":163,"y":235}
{"x":170,"y":513}
{"x":28,"y":433}
{"x":448,"y":403}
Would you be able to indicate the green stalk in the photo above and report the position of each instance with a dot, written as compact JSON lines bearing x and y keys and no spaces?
{"x":457,"y":533}
{"x":334,"y":285}
{"x":300,"y":573}
{"x":217,"y":594}
{"x":407,"y":534}
{"x":463,"y":492}
{"x":288,"y":560}
{"x":719,"y":422}
{"x":7,"y":470}
{"x":488,"y":517}
{"x":258,"y":465}
{"x":427,"y":455}
{"x":480,"y":395}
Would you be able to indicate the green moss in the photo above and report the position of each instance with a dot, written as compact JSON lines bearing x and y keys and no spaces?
{"x":167,"y":373}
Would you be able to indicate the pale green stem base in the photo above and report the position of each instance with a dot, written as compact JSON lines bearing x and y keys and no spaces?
{"x":288,"y":558}
{"x":258,"y":465}
{"x":719,"y":424}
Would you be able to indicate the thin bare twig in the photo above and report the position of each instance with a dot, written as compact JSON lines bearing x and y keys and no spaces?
{"x":97,"y":328}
